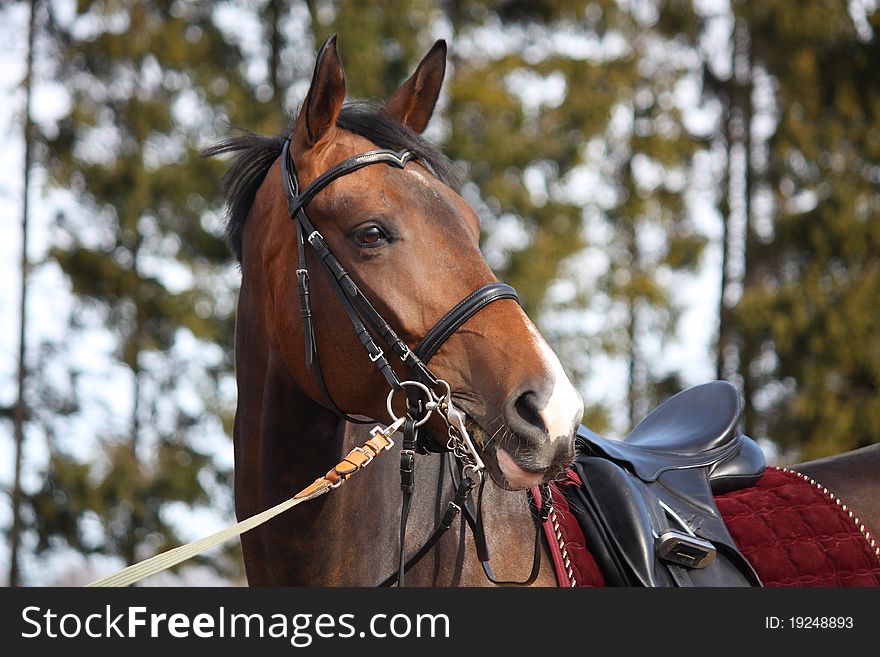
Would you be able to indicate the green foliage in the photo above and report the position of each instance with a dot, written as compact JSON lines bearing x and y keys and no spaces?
{"x":810,"y":310}
{"x":120,"y":494}
{"x":148,"y":83}
{"x":380,"y":43}
{"x":502,"y":138}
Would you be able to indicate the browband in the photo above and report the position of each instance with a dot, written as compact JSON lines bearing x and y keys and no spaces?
{"x":298,"y":199}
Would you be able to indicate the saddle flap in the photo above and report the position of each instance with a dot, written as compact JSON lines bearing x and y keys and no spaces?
{"x":623,"y":541}
{"x":628,"y":523}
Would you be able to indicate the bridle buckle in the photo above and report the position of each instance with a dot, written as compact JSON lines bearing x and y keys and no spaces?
{"x":367,"y":453}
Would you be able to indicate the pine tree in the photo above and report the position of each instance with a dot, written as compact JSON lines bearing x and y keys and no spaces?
{"x":604,"y":122}
{"x":380,"y":43}
{"x":654,"y":241}
{"x":809,"y":308}
{"x":149,"y":84}
{"x":20,"y":412}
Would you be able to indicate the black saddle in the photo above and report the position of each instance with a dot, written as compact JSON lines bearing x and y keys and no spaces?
{"x":646,"y":503}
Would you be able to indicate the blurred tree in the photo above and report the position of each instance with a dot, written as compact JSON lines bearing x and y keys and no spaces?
{"x":809,"y":306}
{"x":653,"y":240}
{"x":732,"y":88}
{"x":568,"y":121}
{"x":19,"y":413}
{"x":149,"y":83}
{"x":580,"y":91}
{"x":380,"y":43}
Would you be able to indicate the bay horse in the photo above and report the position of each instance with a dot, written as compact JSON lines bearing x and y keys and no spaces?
{"x":348,"y":214}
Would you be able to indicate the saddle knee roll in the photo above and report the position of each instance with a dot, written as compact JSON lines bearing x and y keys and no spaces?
{"x":741,"y":470}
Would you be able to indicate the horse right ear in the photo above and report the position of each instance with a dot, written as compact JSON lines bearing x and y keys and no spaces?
{"x":318,"y":114}
{"x":414,"y":102}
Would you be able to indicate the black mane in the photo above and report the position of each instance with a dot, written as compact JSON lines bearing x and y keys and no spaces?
{"x":257,"y":153}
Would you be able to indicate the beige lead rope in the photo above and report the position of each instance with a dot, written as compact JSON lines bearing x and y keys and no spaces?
{"x":356,"y":459}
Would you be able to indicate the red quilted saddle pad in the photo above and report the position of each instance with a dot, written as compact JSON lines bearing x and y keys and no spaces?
{"x":791,"y":529}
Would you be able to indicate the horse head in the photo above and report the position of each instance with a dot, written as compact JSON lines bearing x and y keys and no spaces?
{"x":410,"y":243}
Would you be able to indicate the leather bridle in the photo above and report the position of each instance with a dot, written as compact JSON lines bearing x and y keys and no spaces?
{"x":424,"y":390}
{"x":362,"y":314}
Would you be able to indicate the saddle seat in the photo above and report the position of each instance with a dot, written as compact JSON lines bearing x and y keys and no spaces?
{"x":692,"y":429}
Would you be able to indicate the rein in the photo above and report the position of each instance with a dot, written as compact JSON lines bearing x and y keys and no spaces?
{"x":357,"y":459}
{"x":424,"y":390}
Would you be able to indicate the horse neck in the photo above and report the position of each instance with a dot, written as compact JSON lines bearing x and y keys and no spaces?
{"x":350,"y":537}
{"x":368,"y":506}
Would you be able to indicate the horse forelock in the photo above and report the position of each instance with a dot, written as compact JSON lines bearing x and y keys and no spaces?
{"x":257,"y":153}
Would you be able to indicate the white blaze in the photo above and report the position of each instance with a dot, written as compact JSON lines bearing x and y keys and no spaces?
{"x":564,"y":403}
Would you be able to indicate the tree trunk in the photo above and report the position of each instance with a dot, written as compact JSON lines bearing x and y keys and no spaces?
{"x":724,"y":318}
{"x":743,"y":74}
{"x":273,"y":17}
{"x":734,"y":356}
{"x":20,"y":414}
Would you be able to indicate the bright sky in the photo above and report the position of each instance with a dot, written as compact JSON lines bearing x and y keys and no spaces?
{"x":49,"y":301}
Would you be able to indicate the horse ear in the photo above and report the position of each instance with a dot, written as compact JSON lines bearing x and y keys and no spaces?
{"x":413,"y":103}
{"x":319,"y":111}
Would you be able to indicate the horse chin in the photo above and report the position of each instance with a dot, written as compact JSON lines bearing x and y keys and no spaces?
{"x":503,"y":467}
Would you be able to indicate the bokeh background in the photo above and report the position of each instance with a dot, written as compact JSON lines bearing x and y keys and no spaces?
{"x":680,"y":191}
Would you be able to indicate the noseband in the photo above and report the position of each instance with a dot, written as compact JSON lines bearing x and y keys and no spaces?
{"x":365,"y":319}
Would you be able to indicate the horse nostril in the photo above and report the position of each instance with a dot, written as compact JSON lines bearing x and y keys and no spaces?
{"x":526,"y":407}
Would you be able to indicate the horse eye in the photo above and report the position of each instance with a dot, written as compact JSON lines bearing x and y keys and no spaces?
{"x":371,"y":235}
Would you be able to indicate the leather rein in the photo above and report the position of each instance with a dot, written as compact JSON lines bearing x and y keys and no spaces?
{"x":426,"y":393}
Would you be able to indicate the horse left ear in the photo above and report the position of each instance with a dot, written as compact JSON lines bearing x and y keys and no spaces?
{"x":413,"y":103}
{"x":319,"y":112}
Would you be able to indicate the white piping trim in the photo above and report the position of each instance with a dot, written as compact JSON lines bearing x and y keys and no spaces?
{"x":859,"y":525}
{"x":562,"y":549}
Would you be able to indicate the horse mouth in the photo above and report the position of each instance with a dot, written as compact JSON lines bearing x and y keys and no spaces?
{"x":514,"y":467}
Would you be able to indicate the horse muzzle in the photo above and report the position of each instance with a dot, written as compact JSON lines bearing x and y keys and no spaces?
{"x":517,"y":462}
